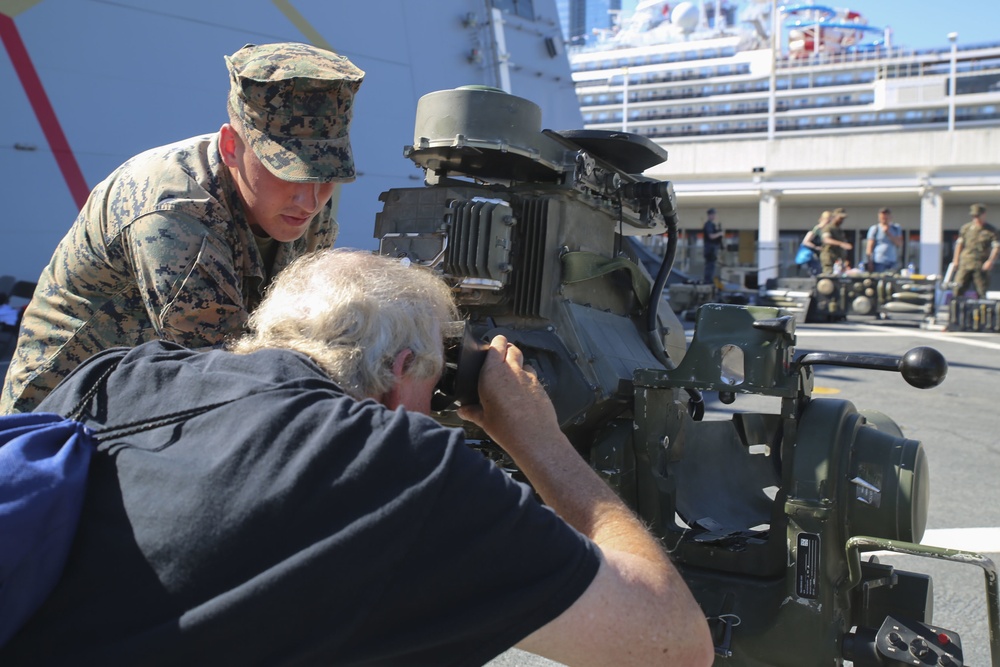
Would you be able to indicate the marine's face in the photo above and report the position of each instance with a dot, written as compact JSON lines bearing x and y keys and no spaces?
{"x":276,"y":208}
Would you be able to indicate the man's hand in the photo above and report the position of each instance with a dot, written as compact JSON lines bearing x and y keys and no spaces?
{"x":513,"y":406}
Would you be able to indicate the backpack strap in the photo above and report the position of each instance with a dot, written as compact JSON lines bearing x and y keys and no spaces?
{"x":139,"y":425}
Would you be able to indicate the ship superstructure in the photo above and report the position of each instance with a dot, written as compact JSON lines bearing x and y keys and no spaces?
{"x":831,"y":112}
{"x":671,"y":80}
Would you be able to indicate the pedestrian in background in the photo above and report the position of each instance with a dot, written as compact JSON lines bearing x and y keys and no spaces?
{"x":835,"y":244}
{"x":975,"y":253}
{"x":808,"y":253}
{"x":885,"y":238}
{"x":713,"y":235}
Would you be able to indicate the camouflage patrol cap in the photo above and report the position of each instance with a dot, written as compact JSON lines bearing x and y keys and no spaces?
{"x":294,"y":102}
{"x":977,"y":209}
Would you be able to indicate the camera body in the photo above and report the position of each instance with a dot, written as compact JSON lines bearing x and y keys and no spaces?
{"x":765,"y":514}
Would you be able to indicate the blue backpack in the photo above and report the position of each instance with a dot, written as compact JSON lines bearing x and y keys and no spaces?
{"x":44,"y":461}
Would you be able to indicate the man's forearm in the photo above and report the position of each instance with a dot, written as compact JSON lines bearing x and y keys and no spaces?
{"x":637,"y":610}
{"x":570,"y":486}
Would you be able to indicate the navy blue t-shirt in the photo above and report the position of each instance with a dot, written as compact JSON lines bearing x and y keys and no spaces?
{"x":292,"y":526}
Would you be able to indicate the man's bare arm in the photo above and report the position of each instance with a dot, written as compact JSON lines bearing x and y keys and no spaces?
{"x":638,"y":610}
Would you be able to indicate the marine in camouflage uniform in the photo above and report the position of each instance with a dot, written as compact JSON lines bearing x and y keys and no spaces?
{"x":165,"y":247}
{"x":975,"y":252}
{"x":834,"y":241}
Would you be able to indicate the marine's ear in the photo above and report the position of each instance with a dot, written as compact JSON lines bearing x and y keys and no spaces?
{"x":229,"y":145}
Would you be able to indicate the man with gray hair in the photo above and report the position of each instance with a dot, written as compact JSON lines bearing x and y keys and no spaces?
{"x":180,"y":241}
{"x":298,"y":506}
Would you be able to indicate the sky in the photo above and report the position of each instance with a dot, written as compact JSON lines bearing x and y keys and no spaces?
{"x":919,"y":24}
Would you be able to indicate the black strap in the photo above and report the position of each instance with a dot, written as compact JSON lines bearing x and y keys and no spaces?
{"x":140,"y":425}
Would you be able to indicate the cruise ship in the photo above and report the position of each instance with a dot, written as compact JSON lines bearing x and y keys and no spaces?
{"x":830,"y":112}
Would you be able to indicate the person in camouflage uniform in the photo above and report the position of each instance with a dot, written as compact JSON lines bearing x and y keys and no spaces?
{"x":180,"y":241}
{"x":834,"y":241}
{"x":975,"y":252}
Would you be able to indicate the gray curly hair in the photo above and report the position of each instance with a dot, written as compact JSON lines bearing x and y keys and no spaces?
{"x":353,"y":312}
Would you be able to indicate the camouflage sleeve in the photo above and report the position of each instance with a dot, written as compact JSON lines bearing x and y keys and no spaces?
{"x":187,"y":279}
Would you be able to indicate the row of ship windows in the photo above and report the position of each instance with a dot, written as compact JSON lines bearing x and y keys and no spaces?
{"x":724,"y":108}
{"x":807,"y":80}
{"x":659,"y":58}
{"x":781,"y":83}
{"x":987,"y":83}
{"x":853,"y":55}
{"x":983,"y":113}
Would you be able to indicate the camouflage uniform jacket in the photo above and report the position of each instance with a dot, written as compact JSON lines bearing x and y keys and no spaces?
{"x":977,"y":243}
{"x":831,"y":253}
{"x":161,"y":250}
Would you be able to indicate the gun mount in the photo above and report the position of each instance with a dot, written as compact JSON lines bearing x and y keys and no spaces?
{"x":765,"y":514}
